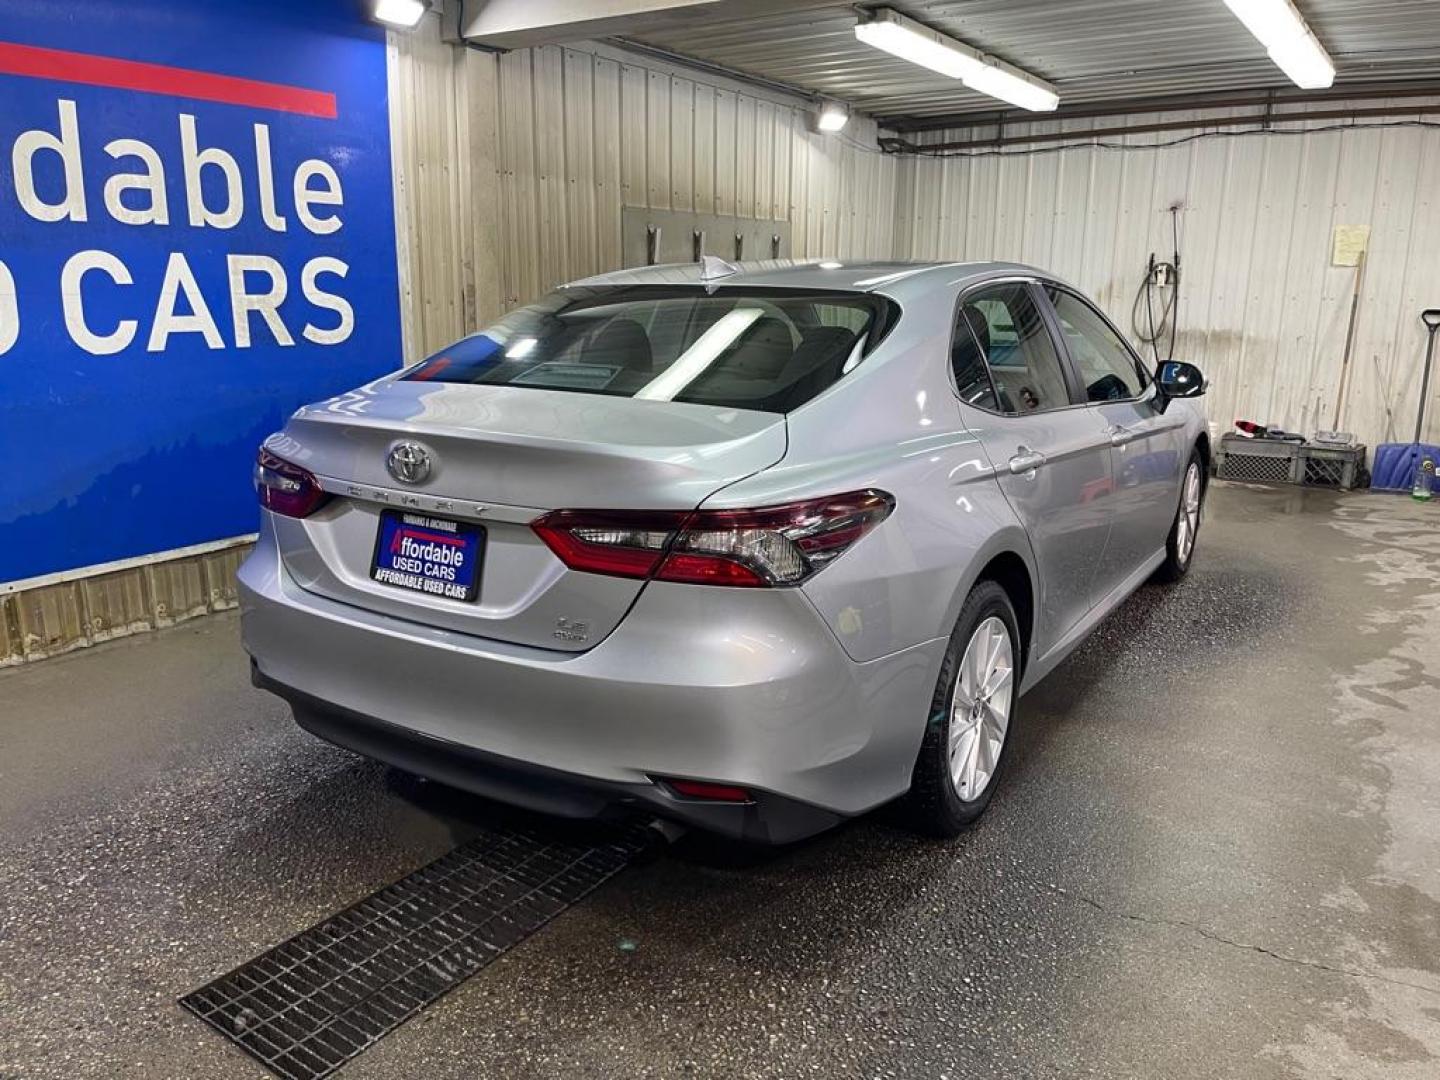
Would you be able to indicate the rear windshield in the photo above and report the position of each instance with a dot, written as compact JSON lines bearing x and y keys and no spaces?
{"x":770,"y":350}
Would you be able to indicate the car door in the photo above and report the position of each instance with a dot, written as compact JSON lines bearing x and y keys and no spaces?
{"x":1147,"y":445}
{"x":1050,"y":455}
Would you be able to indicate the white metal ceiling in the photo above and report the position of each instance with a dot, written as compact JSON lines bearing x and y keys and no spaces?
{"x":1095,"y":51}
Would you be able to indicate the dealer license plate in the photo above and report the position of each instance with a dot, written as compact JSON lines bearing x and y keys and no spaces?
{"x":428,"y":555}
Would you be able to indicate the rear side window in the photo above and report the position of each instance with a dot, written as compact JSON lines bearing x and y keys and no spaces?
{"x":770,"y":350}
{"x":999,"y":332}
{"x":972,"y":377}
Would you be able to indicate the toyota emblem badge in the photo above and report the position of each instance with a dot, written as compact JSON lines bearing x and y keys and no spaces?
{"x":408,"y":462}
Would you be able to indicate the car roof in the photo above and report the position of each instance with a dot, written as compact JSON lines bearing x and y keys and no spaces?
{"x":901,"y":280}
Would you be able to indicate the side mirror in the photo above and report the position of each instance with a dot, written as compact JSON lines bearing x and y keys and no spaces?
{"x":1180,"y":380}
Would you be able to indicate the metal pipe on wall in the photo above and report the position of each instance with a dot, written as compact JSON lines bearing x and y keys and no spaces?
{"x":1176,"y":103}
{"x":899,"y":145}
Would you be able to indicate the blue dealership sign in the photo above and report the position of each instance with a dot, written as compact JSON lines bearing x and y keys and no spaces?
{"x":196,"y":236}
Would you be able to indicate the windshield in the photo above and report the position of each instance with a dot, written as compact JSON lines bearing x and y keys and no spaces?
{"x":764,"y":349}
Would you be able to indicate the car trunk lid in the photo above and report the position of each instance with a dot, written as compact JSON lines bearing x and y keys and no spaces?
{"x":498,"y":458}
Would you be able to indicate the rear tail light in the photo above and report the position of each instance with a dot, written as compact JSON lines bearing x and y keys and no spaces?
{"x":621,"y":543}
{"x":771,"y":546}
{"x":285,"y":488}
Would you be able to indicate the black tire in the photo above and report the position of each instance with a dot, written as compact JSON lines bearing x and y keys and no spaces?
{"x":1177,"y":562}
{"x":933,"y":805}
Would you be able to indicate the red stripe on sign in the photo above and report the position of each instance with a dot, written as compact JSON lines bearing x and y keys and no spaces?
{"x":439,"y":538}
{"x":76,"y":67}
{"x":409,"y":533}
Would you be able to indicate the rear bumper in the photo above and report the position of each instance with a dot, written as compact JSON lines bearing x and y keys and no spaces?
{"x":733,"y":686}
{"x":770,"y":818}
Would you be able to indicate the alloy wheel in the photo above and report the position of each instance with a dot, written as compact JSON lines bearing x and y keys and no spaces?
{"x":980,"y":708}
{"x":1188,"y":523}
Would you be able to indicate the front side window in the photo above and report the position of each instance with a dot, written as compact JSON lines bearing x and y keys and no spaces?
{"x":765,"y":349}
{"x":1107,"y":367}
{"x":999,"y":328}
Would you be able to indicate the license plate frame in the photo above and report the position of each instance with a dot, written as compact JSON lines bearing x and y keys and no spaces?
{"x":429,"y":535}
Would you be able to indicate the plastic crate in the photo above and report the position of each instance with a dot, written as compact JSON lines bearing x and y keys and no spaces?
{"x":1258,"y":461}
{"x":1331,"y":466}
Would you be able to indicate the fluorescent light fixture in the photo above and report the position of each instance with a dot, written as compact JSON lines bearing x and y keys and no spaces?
{"x":833,"y":116}
{"x":1291,"y":45}
{"x":999,"y":83}
{"x":1304,"y":61}
{"x":892,"y":32}
{"x":405,"y":14}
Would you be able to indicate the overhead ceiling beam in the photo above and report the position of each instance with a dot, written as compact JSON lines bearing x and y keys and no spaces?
{"x":522,"y":24}
{"x":1351,"y":91}
{"x":1265,"y":119}
{"x":683,"y":60}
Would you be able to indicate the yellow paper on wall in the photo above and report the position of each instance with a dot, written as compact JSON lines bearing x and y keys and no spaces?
{"x":1350,"y":243}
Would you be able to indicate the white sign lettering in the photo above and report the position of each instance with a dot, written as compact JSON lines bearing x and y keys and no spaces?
{"x":50,"y":185}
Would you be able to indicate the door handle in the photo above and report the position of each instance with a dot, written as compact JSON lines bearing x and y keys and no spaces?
{"x":1026,"y":460}
{"x":1119,"y":436}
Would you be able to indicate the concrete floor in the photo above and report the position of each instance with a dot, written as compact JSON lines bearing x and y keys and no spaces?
{"x":1215,"y":854}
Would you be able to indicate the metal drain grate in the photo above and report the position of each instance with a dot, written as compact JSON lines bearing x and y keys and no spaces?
{"x":309,"y":1005}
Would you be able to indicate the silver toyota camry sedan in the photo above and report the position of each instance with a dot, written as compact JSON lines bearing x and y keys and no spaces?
{"x":754,"y":548}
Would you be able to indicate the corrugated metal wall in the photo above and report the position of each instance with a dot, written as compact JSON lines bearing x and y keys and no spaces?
{"x":442,"y":184}
{"x":1262,"y":310}
{"x":54,"y":619}
{"x":513,"y":170}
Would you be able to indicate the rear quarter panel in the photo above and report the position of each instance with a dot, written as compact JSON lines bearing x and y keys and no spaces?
{"x":894,"y":424}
